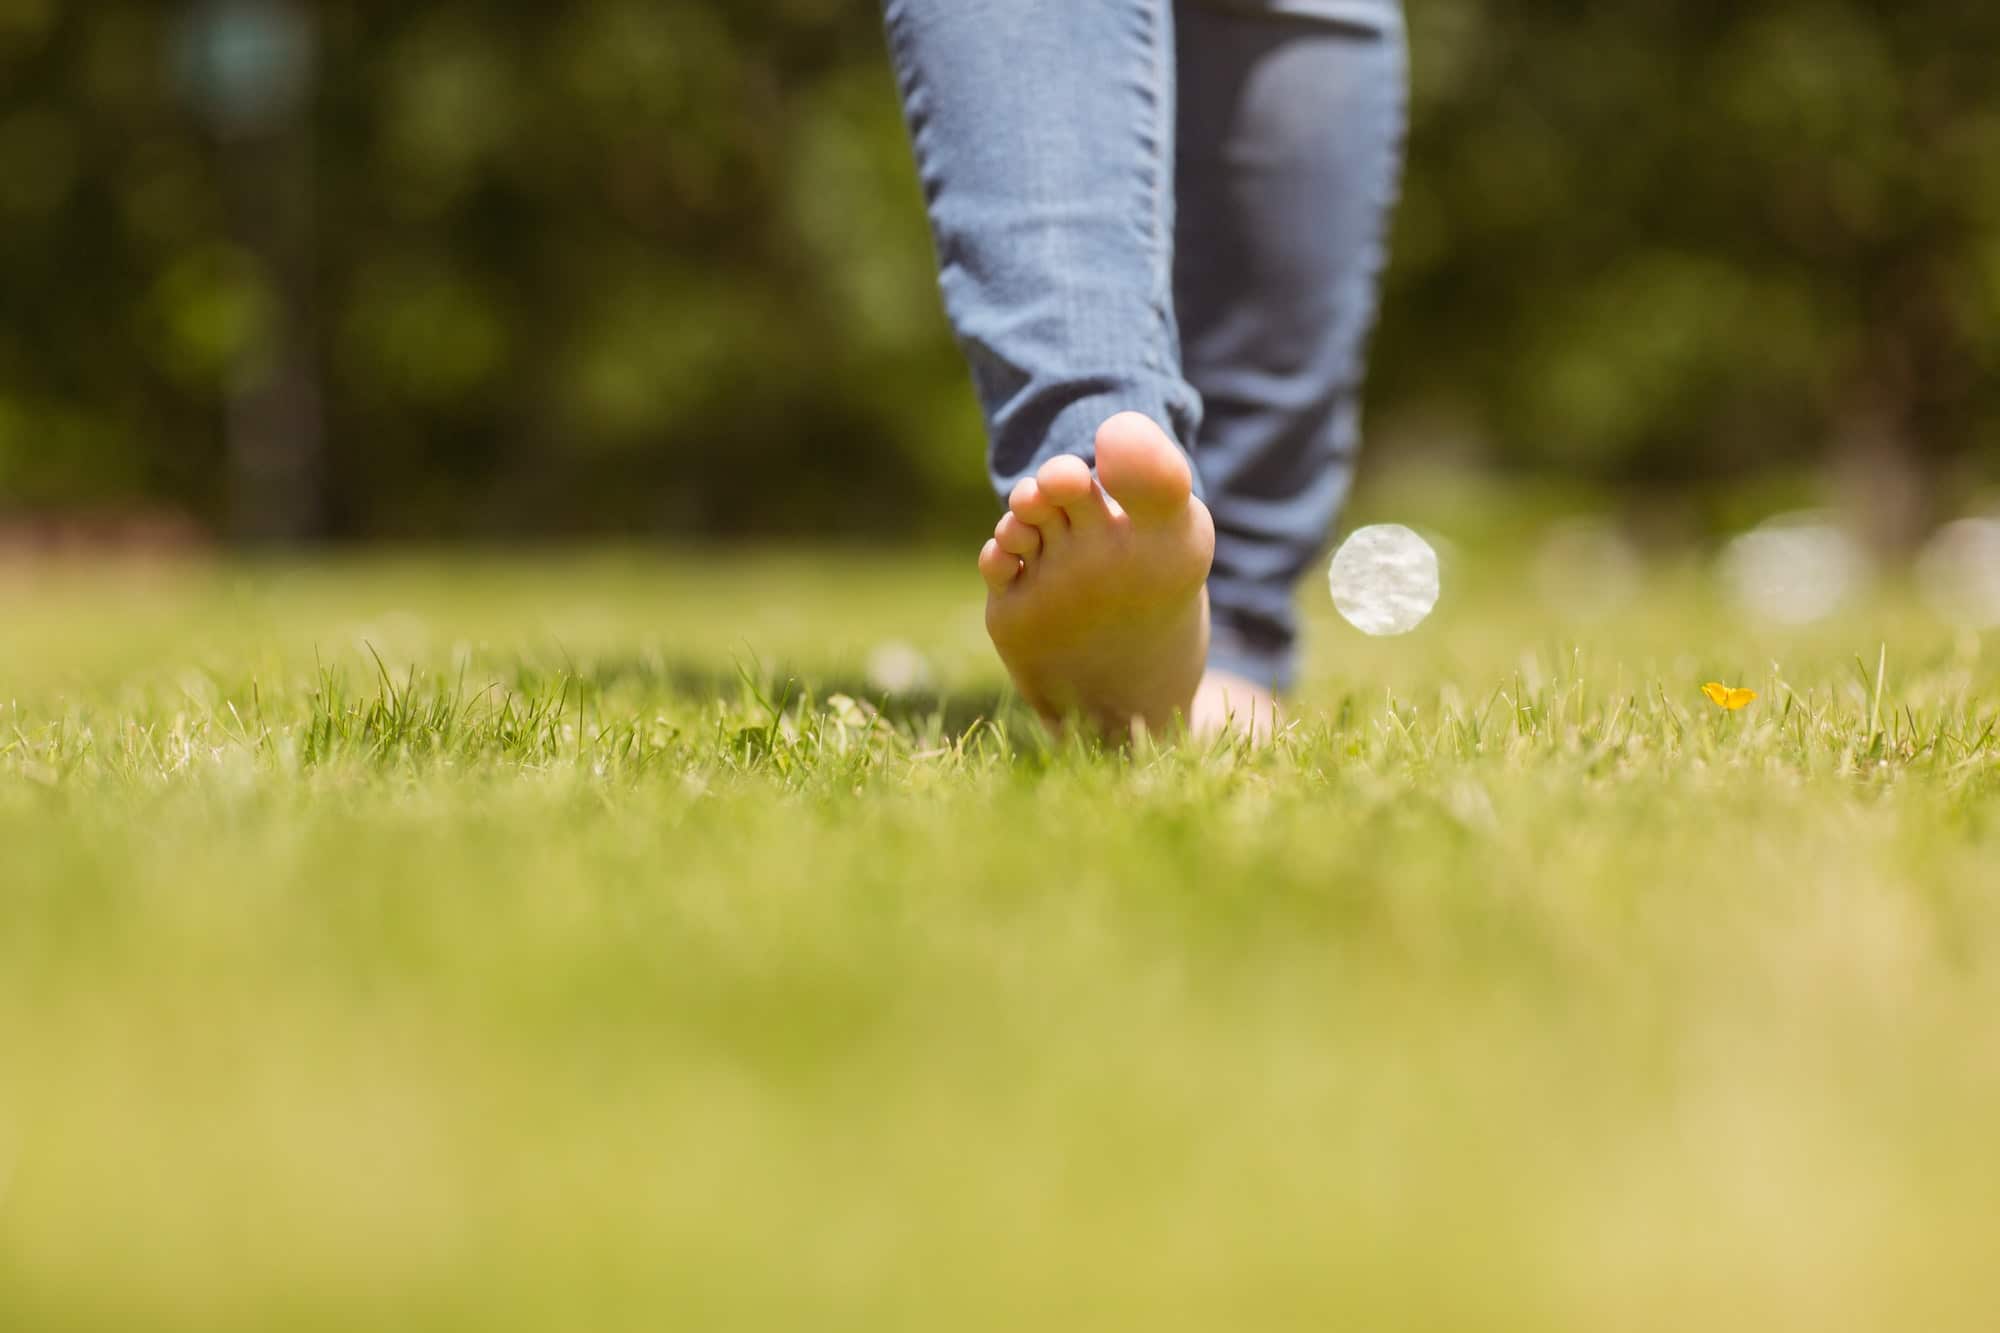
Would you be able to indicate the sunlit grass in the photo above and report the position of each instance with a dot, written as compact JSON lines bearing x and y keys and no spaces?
{"x":587,"y":943}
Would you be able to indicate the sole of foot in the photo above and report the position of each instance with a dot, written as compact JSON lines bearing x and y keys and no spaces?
{"x":1096,"y":584}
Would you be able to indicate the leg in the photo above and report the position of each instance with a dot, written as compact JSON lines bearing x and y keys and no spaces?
{"x":1290,"y":141}
{"x":1044,"y":138}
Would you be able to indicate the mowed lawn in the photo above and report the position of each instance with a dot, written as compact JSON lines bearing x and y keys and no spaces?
{"x":703,"y":941}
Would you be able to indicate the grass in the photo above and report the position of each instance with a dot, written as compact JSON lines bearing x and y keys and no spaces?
{"x":583,"y":943}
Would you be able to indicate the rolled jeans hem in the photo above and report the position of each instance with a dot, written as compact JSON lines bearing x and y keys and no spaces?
{"x":1262,"y":660}
{"x":1072,"y":428}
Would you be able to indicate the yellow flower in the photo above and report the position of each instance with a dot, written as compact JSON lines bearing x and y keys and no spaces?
{"x":1726,"y":696}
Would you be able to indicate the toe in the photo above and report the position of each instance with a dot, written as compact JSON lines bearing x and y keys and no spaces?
{"x":1018,"y":538}
{"x":1067,"y":483}
{"x":1142,"y":468}
{"x":997,"y":567}
{"x":1034,"y":508}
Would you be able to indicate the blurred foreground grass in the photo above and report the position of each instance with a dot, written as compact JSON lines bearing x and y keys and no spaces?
{"x":585,"y":943}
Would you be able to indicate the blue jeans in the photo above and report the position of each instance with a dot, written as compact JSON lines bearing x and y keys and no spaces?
{"x":1178,"y":207}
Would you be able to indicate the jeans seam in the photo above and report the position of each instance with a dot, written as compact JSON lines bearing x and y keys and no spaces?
{"x":1164,"y":109}
{"x":911,"y":94}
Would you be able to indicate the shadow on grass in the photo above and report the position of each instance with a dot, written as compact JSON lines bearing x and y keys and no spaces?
{"x":922,"y":711}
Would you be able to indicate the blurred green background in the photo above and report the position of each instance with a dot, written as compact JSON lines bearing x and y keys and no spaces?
{"x":477,"y":270}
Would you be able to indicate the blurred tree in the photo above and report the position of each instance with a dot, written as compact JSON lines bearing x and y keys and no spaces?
{"x":1657,"y":244}
{"x":249,"y":66}
{"x":660,"y":265}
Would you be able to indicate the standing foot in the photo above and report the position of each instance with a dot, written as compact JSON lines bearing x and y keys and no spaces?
{"x":1096,"y":583}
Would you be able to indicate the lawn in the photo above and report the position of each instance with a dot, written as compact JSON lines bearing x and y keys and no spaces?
{"x":598,"y":942}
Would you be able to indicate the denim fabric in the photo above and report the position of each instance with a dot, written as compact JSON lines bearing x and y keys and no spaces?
{"x":1178,"y":209}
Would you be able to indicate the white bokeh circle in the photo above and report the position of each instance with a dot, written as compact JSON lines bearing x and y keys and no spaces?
{"x":1793,"y":569}
{"x":1384,"y":579}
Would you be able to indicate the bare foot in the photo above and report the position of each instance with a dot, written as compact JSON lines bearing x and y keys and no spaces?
{"x":1096,"y":584}
{"x":1226,"y":702}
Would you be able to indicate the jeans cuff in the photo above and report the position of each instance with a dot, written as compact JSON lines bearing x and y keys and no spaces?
{"x":1023,"y":440}
{"x":1261,"y":654}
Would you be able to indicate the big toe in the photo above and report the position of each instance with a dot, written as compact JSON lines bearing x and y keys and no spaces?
{"x":1142,"y":468}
